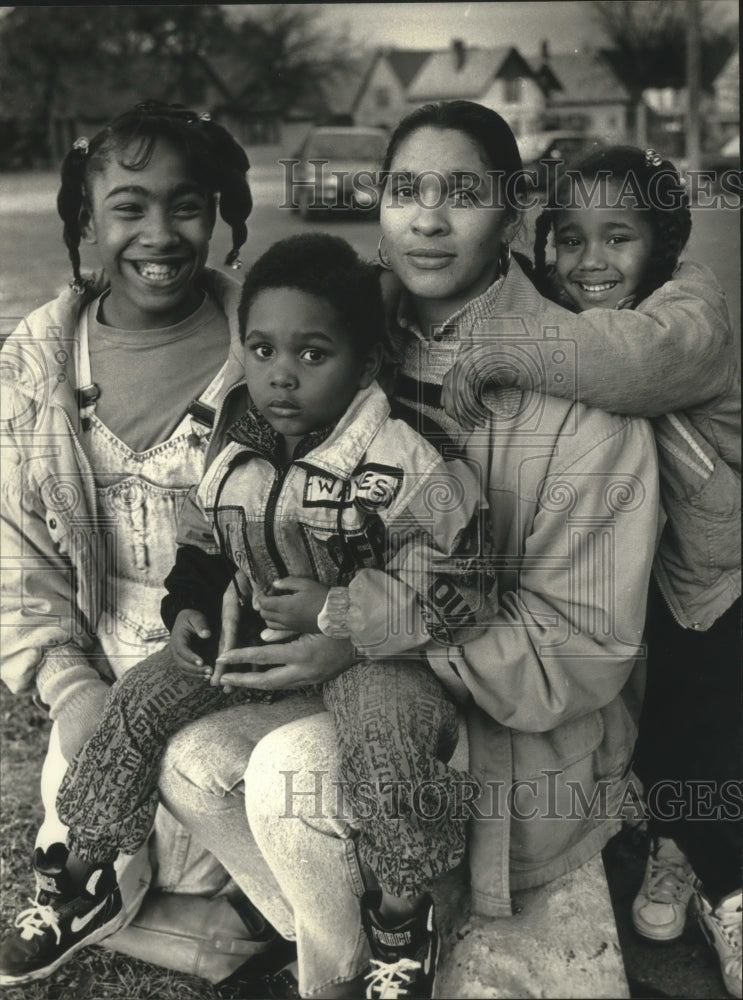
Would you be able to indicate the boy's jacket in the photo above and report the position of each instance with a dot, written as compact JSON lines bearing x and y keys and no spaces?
{"x":371,"y":509}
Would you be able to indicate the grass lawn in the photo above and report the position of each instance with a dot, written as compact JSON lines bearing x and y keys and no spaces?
{"x":93,"y":974}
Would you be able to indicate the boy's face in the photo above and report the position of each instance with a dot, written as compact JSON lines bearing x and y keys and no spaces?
{"x":152,"y":228}
{"x":602,"y":253}
{"x":300,"y":365}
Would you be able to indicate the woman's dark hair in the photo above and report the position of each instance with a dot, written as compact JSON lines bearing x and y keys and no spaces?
{"x":484,"y":127}
{"x":329,"y":268}
{"x":217,"y":161}
{"x":647,"y":183}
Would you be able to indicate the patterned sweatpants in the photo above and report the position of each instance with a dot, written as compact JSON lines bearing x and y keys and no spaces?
{"x":395,"y":726}
{"x":109,"y":796}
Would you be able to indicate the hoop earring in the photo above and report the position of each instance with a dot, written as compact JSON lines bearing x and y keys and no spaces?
{"x":504,"y":259}
{"x":384,"y":261}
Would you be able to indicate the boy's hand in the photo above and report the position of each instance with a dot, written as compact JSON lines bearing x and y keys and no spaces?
{"x":296,"y":605}
{"x":189,"y":628}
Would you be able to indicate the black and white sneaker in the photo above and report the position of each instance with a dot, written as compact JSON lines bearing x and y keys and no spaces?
{"x":404,"y":956}
{"x":61,"y":920}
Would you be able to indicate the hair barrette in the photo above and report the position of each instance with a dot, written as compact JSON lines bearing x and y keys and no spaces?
{"x":653,"y":159}
{"x":78,"y":285}
{"x":205,"y":116}
{"x":82,"y":144}
{"x":236,"y":264}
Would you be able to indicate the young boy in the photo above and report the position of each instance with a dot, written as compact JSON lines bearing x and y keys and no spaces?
{"x":344,"y":521}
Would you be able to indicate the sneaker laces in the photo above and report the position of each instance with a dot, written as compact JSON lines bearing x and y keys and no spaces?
{"x":667,"y":879}
{"x":392,"y":978}
{"x":729,"y":922}
{"x":36,"y":919}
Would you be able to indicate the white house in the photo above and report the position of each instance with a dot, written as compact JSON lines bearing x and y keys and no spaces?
{"x":498,"y":78}
{"x":583,"y":92}
{"x":382,"y":95}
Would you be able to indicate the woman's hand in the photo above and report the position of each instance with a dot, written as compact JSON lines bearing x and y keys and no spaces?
{"x":310,"y":659}
{"x":190,"y":629}
{"x":294,"y":610}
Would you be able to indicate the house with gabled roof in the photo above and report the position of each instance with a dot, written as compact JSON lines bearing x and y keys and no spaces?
{"x":499,"y":78}
{"x":726,"y":88}
{"x":382,"y":95}
{"x":584,"y":93}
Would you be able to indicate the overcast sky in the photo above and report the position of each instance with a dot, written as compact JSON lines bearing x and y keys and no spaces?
{"x":524,"y":23}
{"x":433,"y":25}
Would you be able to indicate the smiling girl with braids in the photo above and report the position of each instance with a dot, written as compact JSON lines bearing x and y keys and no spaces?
{"x":96,"y":396}
{"x":645,"y":341}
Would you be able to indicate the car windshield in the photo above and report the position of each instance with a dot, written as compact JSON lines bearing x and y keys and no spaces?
{"x":567,"y":149}
{"x":347,"y":146}
{"x":539,"y":146}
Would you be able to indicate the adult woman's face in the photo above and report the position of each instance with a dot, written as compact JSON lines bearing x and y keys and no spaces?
{"x":443,"y":241}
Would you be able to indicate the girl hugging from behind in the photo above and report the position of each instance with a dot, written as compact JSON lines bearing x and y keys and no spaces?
{"x":654,"y":338}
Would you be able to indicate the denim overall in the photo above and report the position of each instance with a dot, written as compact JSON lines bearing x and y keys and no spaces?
{"x":139,"y":496}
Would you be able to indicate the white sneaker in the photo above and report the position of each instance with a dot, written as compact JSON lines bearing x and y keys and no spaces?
{"x":659,"y":909}
{"x":721,"y":926}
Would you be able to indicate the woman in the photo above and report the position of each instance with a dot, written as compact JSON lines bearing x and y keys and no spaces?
{"x":568,"y":487}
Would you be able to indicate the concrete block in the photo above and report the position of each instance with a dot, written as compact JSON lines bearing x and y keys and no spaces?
{"x":562,"y":942}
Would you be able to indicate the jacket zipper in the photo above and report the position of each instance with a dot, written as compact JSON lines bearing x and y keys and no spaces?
{"x":667,"y":600}
{"x":270,"y":535}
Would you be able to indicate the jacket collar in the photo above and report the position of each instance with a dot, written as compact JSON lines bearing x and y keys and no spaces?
{"x":462,"y":319}
{"x":50,"y":332}
{"x":254,"y":432}
{"x":336,"y":450}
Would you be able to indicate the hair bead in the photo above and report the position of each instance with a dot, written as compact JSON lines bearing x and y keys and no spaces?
{"x":219,"y":162}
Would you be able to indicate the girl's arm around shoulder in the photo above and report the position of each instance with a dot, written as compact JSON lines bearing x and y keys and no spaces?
{"x":673,"y":351}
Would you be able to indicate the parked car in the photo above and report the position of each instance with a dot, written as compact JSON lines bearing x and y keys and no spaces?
{"x":718,"y":165}
{"x":337,"y":171}
{"x":540,"y":150}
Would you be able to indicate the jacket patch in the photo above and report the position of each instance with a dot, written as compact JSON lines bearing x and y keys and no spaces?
{"x":323,"y":491}
{"x":376,"y":486}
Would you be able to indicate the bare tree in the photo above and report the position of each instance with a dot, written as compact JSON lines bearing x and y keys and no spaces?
{"x":280,"y":54}
{"x":649,"y":42}
{"x":89,"y":62}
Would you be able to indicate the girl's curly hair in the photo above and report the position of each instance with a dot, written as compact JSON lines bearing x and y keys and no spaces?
{"x":647,"y":183}
{"x":217,"y":161}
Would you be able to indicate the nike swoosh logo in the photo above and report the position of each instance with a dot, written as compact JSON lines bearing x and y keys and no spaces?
{"x":78,"y":923}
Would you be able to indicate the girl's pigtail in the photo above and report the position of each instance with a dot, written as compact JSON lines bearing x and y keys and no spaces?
{"x":235,"y":198}
{"x":69,"y":204}
{"x":670,"y":218}
{"x":541,"y":233}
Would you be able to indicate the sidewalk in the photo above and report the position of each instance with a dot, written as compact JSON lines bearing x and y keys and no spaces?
{"x":686,"y":969}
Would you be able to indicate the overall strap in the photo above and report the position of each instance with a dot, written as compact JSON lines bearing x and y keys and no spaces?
{"x":202,"y":410}
{"x":87,"y":392}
